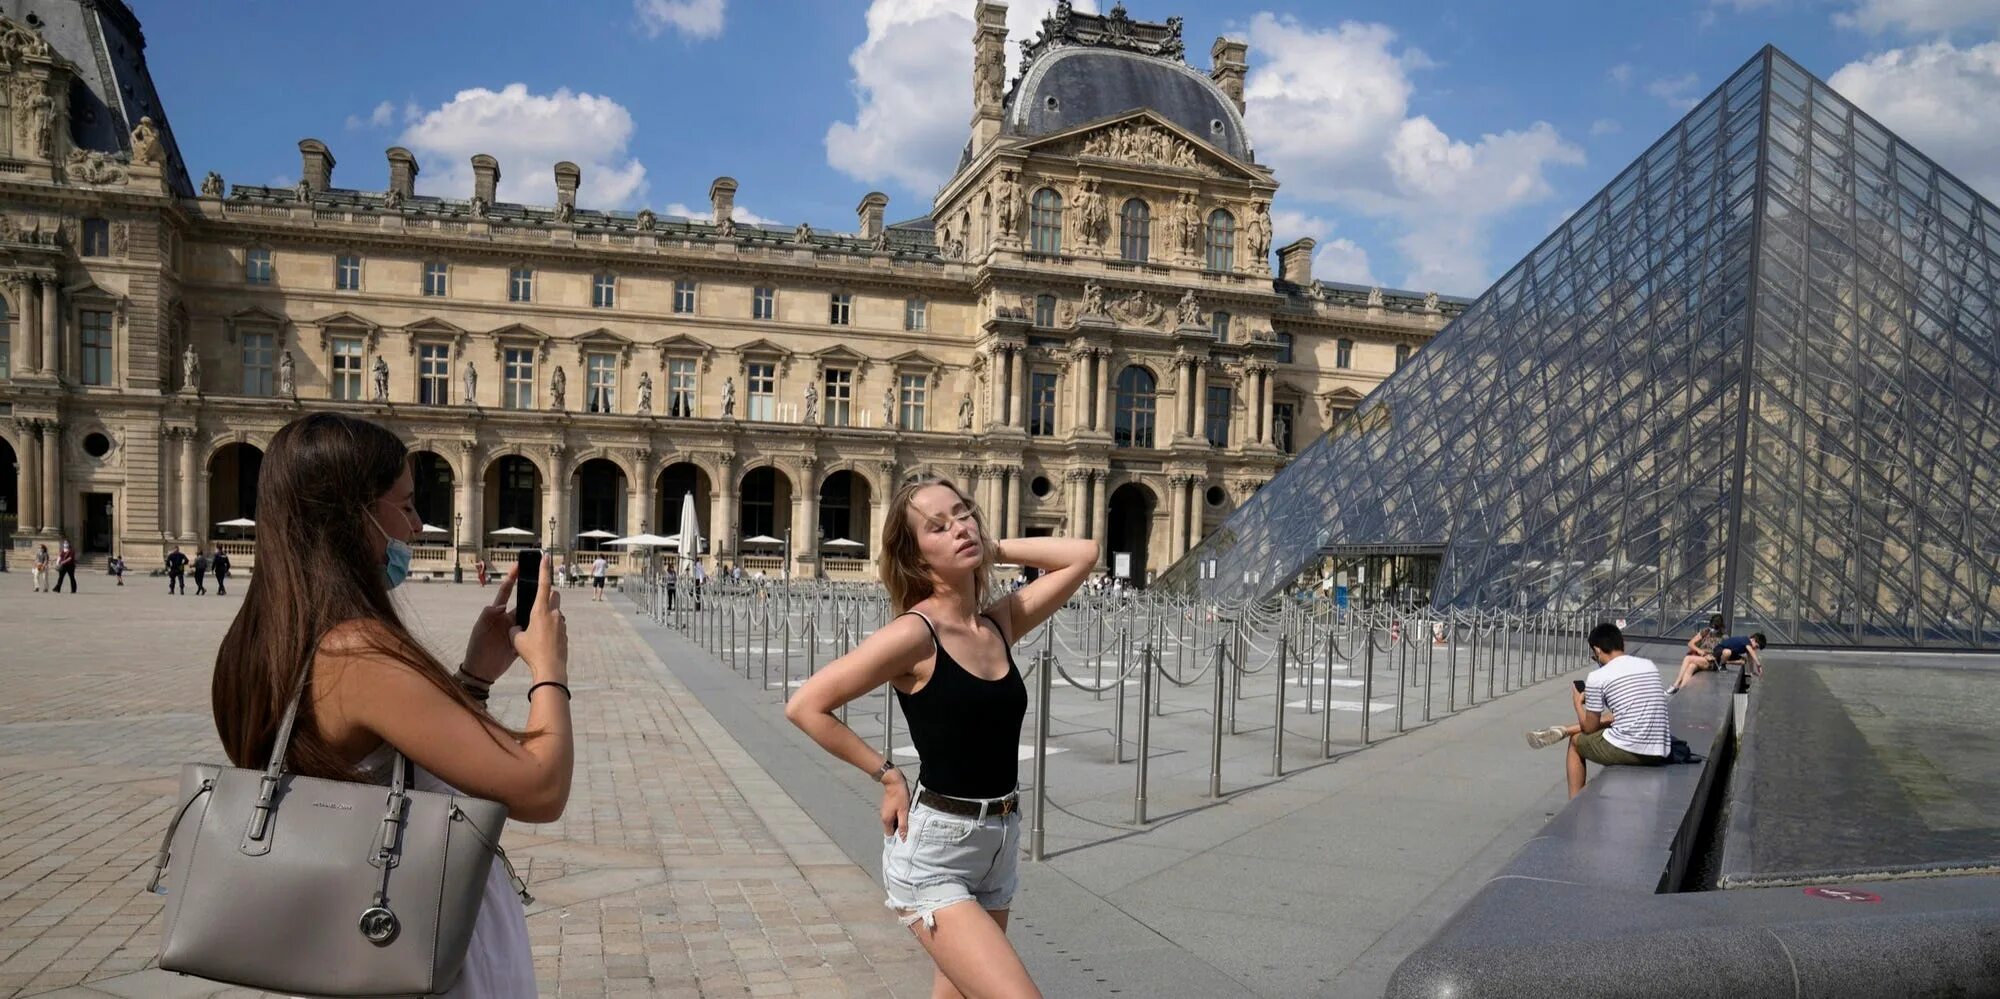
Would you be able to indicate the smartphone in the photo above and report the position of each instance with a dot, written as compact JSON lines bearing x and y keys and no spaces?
{"x":1579,"y":683}
{"x":526,"y":584}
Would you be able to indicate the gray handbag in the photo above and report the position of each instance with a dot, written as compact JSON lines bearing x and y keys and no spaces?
{"x":314,"y":887}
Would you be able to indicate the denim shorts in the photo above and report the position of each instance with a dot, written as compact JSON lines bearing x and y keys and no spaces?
{"x":949,"y":859}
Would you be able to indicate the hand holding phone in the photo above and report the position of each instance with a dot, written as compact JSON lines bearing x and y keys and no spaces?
{"x":542,"y":640}
{"x":1579,"y":685}
{"x":529,"y":561}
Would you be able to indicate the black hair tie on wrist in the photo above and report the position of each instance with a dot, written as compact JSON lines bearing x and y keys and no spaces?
{"x":550,"y":683}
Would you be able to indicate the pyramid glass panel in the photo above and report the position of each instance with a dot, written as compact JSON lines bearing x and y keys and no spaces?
{"x":1757,"y":374}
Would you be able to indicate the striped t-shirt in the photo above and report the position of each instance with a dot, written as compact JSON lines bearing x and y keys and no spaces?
{"x":1630,"y":688}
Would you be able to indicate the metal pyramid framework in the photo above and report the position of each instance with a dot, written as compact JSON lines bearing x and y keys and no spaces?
{"x":1758,"y":374}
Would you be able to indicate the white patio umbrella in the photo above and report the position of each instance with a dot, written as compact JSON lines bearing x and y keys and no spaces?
{"x":762,"y":539}
{"x":238,"y":522}
{"x":597,"y":534}
{"x":690,"y":539}
{"x":430,"y":529}
{"x":510,"y":534}
{"x":842,"y":543}
{"x":647,"y":540}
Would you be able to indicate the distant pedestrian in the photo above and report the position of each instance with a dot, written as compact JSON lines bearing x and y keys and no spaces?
{"x":673,"y":584}
{"x":700,"y":577}
{"x":118,"y":569}
{"x":200,"y":572}
{"x":219,"y":564}
{"x":598,"y":569}
{"x":177,"y":564}
{"x":479,"y":566}
{"x":66,"y":566}
{"x":41,"y":568}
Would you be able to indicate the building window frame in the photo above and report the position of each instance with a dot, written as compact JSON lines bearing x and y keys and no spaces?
{"x":600,"y":382}
{"x":760,"y":390}
{"x":686,"y":296}
{"x":258,"y":265}
{"x":683,"y":387}
{"x":1135,"y":231}
{"x":1042,"y":387}
{"x":1343,"y":354}
{"x":517,"y":377}
{"x":1136,"y":391}
{"x":1045,"y":311}
{"x":1285,"y":415}
{"x":764,"y":302}
{"x":1287,"y":347}
{"x":1219,"y":239}
{"x":347,"y":272}
{"x":603,"y":290}
{"x":95,"y":238}
{"x":433,"y":373}
{"x":837,"y":396}
{"x":521,"y":284}
{"x":840,"y":308}
{"x":913,"y":396}
{"x":437,"y":279}
{"x":346,"y":360}
{"x":916,"y":313}
{"x":1045,"y":219}
{"x":1218,"y":325}
{"x":259,"y":352}
{"x":6,"y":339}
{"x":1403,"y":353}
{"x":97,"y":345}
{"x":1221,"y":400}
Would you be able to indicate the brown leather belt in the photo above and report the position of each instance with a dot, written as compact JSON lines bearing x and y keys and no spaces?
{"x":968,"y":808}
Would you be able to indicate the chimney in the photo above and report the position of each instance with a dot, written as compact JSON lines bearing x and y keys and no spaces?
{"x":722,"y":197}
{"x":870,"y":213}
{"x":1295,"y":261}
{"x":402,"y":171}
{"x":485,"y":177}
{"x":315,"y":164}
{"x":568,"y":175}
{"x":1229,"y":60}
{"x":989,"y":70}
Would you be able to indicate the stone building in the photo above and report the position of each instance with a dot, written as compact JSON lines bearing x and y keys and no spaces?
{"x":1085,"y":328}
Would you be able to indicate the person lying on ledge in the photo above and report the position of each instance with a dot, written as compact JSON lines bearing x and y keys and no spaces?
{"x":1621,"y":712}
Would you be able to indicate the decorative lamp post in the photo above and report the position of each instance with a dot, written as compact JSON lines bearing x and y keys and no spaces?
{"x":458,"y":547}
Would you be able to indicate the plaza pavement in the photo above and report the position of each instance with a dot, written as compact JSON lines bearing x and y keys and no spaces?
{"x":680,"y":869}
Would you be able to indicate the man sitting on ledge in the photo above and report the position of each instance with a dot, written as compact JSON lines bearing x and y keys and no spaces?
{"x":1621,"y":712}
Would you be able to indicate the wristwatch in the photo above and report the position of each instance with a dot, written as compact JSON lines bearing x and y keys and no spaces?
{"x":882,"y":771}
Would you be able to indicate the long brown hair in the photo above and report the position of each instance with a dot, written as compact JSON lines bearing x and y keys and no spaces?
{"x":904,"y":573}
{"x":315,"y":571}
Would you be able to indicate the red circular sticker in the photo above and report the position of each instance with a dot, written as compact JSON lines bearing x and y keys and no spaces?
{"x":1844,"y":894}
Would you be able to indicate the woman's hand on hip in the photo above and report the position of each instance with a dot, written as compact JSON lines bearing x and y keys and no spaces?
{"x":895,"y":805}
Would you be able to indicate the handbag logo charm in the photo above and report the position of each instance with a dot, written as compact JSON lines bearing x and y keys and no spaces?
{"x":379,"y":925}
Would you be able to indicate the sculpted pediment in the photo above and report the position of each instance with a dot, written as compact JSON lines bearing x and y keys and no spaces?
{"x":1142,"y":138}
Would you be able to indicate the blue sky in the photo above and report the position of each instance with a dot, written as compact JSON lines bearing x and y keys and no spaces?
{"x":1425,"y":145}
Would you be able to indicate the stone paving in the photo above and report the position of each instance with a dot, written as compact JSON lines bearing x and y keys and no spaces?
{"x":680,"y":868}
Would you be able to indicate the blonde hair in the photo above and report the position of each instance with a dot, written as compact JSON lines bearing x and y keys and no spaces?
{"x":904,"y":573}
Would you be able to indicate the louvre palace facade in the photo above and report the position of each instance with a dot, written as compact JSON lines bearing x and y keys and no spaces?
{"x":1092,"y":327}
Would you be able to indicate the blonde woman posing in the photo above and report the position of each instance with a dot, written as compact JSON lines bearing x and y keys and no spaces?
{"x":953,"y":835}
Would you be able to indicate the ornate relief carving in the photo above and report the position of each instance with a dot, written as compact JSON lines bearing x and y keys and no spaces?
{"x":1142,"y":143}
{"x":1137,"y":309}
{"x":88,"y":166}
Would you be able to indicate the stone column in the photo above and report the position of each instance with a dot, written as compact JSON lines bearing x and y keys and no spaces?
{"x":1014,"y":502}
{"x":558,"y":494}
{"x":51,"y":330}
{"x":471,"y":498}
{"x":1101,"y":512}
{"x":27,"y":358}
{"x":722,"y":519}
{"x":997,"y":377}
{"x":52,"y":518}
{"x":805,"y":532}
{"x":1177,"y":511}
{"x":1079,"y":393}
{"x":1017,"y":388}
{"x":1102,"y":421}
{"x":186,"y":435}
{"x":1201,"y":399}
{"x":29,"y":486}
{"x":1264,"y":407}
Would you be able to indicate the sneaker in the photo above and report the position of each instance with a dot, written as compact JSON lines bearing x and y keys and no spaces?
{"x":1542,"y":738}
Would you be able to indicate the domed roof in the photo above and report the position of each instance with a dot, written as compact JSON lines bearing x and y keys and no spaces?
{"x":1068,"y":86}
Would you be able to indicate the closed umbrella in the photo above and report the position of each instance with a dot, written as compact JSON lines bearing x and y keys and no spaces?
{"x":690,"y":539}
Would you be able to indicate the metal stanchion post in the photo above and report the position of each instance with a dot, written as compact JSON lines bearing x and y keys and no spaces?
{"x":1402,"y":673}
{"x":1430,"y":662}
{"x":1215,"y":741}
{"x":1326,"y":702}
{"x":1118,"y":708}
{"x":1041,"y":758}
{"x":1145,"y":733}
{"x":1450,"y":663}
{"x":888,"y":719}
{"x":1278,"y":710}
{"x":1367,"y":682}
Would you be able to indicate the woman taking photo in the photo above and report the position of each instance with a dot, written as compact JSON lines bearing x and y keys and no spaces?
{"x":335,"y":513}
{"x":952,"y":835}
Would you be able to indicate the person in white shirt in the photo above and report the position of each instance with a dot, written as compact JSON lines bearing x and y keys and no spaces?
{"x":597,"y":571}
{"x":1621,"y":713}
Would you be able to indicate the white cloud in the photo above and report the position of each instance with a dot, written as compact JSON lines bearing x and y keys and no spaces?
{"x":528,"y":133}
{"x":1605,"y":126}
{"x":1919,"y":16}
{"x":1679,"y":92}
{"x":1620,"y":74}
{"x":384,"y":114}
{"x":1943,"y":99}
{"x":1330,"y":111}
{"x":694,"y":19}
{"x":913,"y":89}
{"x":738,"y":213}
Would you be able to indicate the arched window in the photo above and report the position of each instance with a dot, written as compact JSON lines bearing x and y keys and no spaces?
{"x":1221,"y":241}
{"x":1135,"y":408}
{"x":1135,"y":231}
{"x":1045,"y":222}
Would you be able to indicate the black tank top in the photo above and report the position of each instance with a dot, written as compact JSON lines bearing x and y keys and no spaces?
{"x":967,"y":730}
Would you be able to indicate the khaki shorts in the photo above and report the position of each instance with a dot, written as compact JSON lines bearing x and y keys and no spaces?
{"x":1593,"y":746}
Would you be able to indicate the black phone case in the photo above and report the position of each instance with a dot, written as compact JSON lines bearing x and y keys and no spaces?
{"x":526,"y":583}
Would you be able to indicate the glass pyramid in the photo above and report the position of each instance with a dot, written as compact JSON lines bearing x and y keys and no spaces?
{"x":1757,"y":374}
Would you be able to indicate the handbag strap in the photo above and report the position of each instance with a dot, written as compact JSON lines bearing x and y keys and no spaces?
{"x":274,"y":770}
